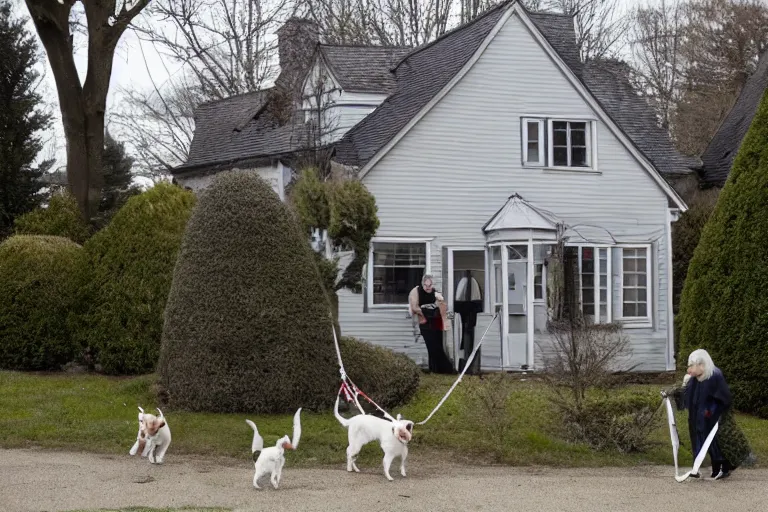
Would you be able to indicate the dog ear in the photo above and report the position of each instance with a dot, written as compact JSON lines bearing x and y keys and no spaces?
{"x":399,"y":417}
{"x":409,"y":426}
{"x":160,"y":425}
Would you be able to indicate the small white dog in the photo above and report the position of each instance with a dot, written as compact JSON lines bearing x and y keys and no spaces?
{"x":271,"y":460}
{"x":393,"y":436}
{"x":154,"y":437}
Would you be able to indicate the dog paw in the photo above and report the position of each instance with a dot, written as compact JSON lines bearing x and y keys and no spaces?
{"x":390,"y":478}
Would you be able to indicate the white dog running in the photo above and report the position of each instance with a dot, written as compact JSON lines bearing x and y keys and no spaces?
{"x":271,"y":460}
{"x":393,"y":436}
{"x":154,"y":437}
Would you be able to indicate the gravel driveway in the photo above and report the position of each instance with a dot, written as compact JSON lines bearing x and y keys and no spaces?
{"x":36,"y":480}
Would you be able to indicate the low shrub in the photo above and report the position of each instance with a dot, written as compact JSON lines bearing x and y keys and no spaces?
{"x":389,"y":378}
{"x":620,"y":421}
{"x":130,"y":268}
{"x":39,"y":279}
{"x":61,"y":217}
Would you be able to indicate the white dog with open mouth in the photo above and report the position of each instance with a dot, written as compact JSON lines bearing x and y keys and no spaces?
{"x":393,"y":436}
{"x":154,"y":437}
{"x":271,"y":460}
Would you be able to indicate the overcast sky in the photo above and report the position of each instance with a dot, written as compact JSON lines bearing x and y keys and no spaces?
{"x":135,"y":62}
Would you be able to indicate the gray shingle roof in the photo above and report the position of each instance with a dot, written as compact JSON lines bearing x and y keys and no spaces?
{"x":427,"y":70}
{"x":237,"y":128}
{"x":722,"y":149}
{"x":363,"y":68}
{"x":608,"y":80}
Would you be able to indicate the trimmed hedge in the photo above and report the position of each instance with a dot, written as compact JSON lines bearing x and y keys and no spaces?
{"x":62,"y":217}
{"x":130,"y":267}
{"x":38,"y":292}
{"x":390,"y":379}
{"x":724,"y":307}
{"x":247,"y":326}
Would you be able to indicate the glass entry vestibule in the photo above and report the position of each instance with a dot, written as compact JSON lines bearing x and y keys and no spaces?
{"x":519,"y":238}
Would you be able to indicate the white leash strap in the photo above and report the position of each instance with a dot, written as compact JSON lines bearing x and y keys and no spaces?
{"x":673,"y":432}
{"x":702,"y":454}
{"x":466,"y":365}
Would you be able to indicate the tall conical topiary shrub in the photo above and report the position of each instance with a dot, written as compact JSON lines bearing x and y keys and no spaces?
{"x":247,"y":326}
{"x":724,"y":307}
{"x":130,"y":268}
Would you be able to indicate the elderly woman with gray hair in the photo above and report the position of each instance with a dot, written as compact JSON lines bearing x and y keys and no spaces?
{"x":707,"y":397}
{"x":428,"y":307}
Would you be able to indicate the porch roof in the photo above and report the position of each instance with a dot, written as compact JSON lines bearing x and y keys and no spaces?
{"x":517,"y":213}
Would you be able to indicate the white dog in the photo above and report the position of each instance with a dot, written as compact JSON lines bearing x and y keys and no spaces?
{"x":154,"y":437}
{"x":271,"y":460}
{"x":393,"y":436}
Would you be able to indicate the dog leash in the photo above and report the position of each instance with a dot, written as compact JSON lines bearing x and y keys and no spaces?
{"x":349,"y":388}
{"x":461,"y":375}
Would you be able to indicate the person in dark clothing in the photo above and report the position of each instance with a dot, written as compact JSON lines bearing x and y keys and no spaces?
{"x":425,"y":304}
{"x":707,"y":398}
{"x":467,"y":304}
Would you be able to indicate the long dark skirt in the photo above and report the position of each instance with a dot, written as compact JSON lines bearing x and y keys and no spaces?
{"x":438,"y":361}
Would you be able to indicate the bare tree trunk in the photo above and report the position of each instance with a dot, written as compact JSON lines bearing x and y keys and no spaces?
{"x":82,"y":106}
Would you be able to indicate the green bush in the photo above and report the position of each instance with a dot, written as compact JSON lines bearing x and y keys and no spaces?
{"x":390,"y":379}
{"x":724,"y":307}
{"x":130,"y":267}
{"x":247,"y":326}
{"x":38,"y":288}
{"x":620,"y":421}
{"x":62,"y":217}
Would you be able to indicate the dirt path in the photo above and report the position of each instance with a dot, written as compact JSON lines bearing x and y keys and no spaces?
{"x":35,"y":480}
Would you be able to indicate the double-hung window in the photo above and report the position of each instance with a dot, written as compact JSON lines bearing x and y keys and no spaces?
{"x":396,"y":268}
{"x":636,"y":289}
{"x":558,"y":143}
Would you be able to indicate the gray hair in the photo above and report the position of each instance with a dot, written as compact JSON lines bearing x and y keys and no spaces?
{"x":427,"y":277}
{"x":702,"y":357}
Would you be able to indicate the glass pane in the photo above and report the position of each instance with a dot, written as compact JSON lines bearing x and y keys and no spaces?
{"x":642,"y":295}
{"x":642,"y":280}
{"x":538,"y":284}
{"x":579,"y":157}
{"x":498,"y":284}
{"x":629,"y":310}
{"x":533,"y":153}
{"x":469,"y":265}
{"x":533,"y":131}
{"x":603,"y":296}
{"x":589,"y":309}
{"x":588,"y":297}
{"x":640,"y":265}
{"x":603,"y":279}
{"x":391,"y":285}
{"x":578,"y":135}
{"x":630,"y":295}
{"x":642,"y":309}
{"x":603,"y":313}
{"x":517,"y":252}
{"x":399,"y":254}
{"x":496,"y":253}
{"x":629,"y":264}
{"x":630,"y":279}
{"x":560,"y":157}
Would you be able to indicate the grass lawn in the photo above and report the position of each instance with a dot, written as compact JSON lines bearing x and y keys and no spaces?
{"x":96,"y":413}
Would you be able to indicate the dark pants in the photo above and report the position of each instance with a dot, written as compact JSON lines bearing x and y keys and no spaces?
{"x":438,"y":361}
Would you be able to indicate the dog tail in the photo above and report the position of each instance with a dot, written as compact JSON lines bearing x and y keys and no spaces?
{"x":258,"y":442}
{"x":344,"y":421}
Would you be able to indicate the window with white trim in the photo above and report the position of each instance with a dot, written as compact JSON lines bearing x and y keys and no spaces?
{"x":636,"y":283}
{"x":594,"y":267}
{"x":533,"y":142}
{"x":397,"y":268}
{"x":558,"y":143}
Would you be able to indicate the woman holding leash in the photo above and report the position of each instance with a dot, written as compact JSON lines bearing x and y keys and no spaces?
{"x":428,"y":307}
{"x":707,"y":397}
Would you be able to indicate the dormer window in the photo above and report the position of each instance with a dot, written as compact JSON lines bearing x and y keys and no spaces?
{"x":558,"y":143}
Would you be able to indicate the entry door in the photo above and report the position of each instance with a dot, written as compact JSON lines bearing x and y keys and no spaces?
{"x":464,"y":263}
{"x":516,"y":306}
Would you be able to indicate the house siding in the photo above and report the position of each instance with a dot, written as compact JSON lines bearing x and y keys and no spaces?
{"x":277,"y":176}
{"x":458,"y":165}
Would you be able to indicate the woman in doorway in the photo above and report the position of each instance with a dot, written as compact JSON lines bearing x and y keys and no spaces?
{"x":707,"y":397}
{"x":428,"y":306}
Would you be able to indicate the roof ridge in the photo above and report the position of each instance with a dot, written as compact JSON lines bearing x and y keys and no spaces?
{"x":454,"y":30}
{"x":373,"y":46}
{"x":211,"y":102}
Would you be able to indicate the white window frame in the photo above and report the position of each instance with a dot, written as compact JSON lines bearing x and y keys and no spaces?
{"x":542,"y":153}
{"x":590,"y":135}
{"x":596,"y":280}
{"x":637,"y":322}
{"x":369,"y":276}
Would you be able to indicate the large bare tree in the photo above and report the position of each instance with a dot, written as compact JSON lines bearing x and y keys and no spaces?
{"x":600,"y":26}
{"x":83,"y":104}
{"x":656,"y":41}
